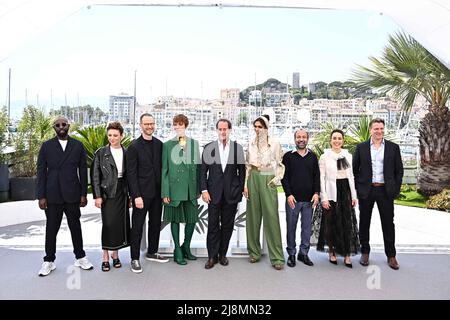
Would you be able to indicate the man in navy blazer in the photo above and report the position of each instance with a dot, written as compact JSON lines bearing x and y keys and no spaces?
{"x":222,"y":178}
{"x":378,"y":171}
{"x":62,"y":188}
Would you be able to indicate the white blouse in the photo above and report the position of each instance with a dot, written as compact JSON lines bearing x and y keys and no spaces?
{"x":329,"y":173}
{"x":268,"y":159}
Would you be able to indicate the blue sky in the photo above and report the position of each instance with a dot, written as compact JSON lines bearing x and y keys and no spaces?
{"x":188,"y":52}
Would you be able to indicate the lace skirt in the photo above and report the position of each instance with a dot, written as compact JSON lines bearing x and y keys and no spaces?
{"x":338,"y":231}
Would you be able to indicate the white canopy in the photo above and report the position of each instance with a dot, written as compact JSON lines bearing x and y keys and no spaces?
{"x":428,"y":21}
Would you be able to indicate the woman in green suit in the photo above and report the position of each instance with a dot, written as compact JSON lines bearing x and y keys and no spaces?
{"x":180,"y":187}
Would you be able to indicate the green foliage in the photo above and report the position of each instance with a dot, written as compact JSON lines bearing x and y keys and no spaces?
{"x":3,"y":125}
{"x":354,"y":135}
{"x":322,"y":139}
{"x":440,"y":201}
{"x":34,"y":128}
{"x":94,"y":138}
{"x":358,"y":133}
{"x":406,"y":69}
{"x":242,"y":118}
{"x":3,"y":130}
{"x":410,"y":197}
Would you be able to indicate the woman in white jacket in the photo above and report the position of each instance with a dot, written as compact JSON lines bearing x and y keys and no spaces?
{"x":338,"y":230}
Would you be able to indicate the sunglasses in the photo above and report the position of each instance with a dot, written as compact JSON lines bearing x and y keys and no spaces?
{"x":60,"y":125}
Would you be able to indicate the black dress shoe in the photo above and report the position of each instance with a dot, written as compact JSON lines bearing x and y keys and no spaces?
{"x":305,"y":259}
{"x":223,"y":261}
{"x":291,"y":261}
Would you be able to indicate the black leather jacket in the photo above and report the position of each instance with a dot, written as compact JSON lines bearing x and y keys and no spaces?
{"x":104,"y":174}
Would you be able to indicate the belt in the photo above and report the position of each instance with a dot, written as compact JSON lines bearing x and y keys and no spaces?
{"x":268,"y":169}
{"x":377,"y":184}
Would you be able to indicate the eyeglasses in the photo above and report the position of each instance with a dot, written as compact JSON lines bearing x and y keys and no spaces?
{"x":60,"y":125}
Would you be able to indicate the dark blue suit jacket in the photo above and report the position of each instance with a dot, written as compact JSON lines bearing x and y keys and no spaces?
{"x":392,"y":169}
{"x":61,"y":175}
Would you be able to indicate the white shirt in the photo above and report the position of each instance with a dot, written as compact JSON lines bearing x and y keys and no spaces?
{"x":306,"y":152}
{"x":268,"y":159}
{"x":63,"y":144}
{"x":118,"y":159}
{"x":377,"y":157}
{"x":224,"y":153}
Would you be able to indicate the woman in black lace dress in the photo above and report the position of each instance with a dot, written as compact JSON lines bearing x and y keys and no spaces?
{"x":338,"y":230}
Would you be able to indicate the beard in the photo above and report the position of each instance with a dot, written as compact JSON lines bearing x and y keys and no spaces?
{"x":62,"y":134}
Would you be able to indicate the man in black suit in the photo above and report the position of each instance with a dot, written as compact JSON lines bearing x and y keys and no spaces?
{"x":222,"y":178}
{"x":62,"y":188}
{"x":144,"y":181}
{"x":378,"y":171}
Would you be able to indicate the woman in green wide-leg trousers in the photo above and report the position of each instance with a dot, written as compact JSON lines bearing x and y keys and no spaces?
{"x":264,"y":172}
{"x":262,"y":203}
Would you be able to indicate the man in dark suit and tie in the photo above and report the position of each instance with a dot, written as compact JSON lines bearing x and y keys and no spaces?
{"x":222,"y":178}
{"x":378,"y":171}
{"x":144,"y":182}
{"x":62,"y":188}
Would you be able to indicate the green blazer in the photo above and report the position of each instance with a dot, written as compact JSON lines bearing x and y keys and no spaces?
{"x":180,"y":171}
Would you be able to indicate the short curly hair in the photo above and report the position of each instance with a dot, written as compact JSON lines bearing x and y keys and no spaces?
{"x":115,"y":126}
{"x":181,"y":118}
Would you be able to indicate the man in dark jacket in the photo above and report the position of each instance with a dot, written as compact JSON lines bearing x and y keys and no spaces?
{"x":62,"y":188}
{"x":378,"y":171}
{"x":222,"y":178}
{"x":144,"y":182}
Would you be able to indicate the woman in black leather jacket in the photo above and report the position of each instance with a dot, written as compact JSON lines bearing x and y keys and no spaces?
{"x":109,"y":187}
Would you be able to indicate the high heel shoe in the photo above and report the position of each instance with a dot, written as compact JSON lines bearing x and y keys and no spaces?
{"x":187,"y":253}
{"x":178,"y":256}
{"x":348,"y":264}
{"x":333,"y":261}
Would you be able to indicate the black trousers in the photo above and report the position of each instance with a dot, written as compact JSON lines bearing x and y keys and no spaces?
{"x":385,"y":206}
{"x":54,"y":213}
{"x":220,"y":228}
{"x":154,"y":208}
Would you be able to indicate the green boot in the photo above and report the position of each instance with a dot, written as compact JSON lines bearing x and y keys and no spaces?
{"x":188,"y":232}
{"x":177,"y":253}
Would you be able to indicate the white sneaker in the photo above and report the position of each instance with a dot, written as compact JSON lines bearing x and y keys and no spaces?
{"x":46,"y":268}
{"x":83,"y":263}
